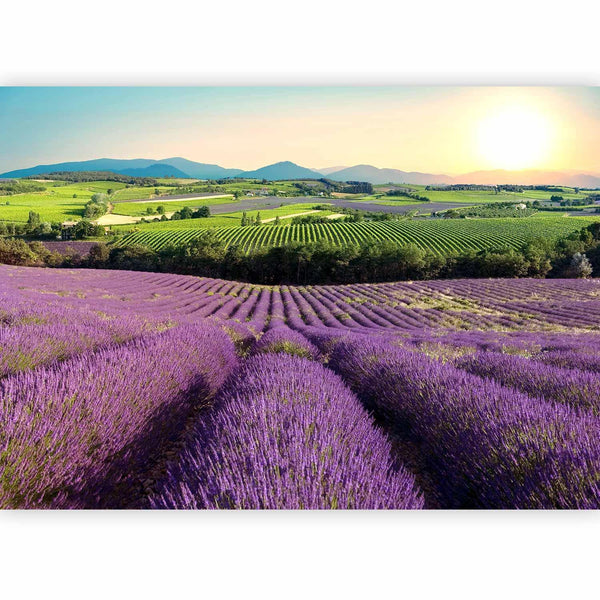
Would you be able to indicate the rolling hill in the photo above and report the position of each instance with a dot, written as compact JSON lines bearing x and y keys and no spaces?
{"x":157,"y":170}
{"x":282,"y":170}
{"x":375,"y":175}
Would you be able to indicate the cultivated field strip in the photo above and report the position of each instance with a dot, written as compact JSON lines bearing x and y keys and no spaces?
{"x":438,"y":235}
{"x":164,"y":299}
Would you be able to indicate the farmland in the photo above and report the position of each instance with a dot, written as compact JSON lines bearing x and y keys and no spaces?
{"x":440,"y":236}
{"x":224,"y":219}
{"x":471,"y":196}
{"x":136,"y":209}
{"x":58,"y":202}
{"x":150,"y":390}
{"x":65,"y":201}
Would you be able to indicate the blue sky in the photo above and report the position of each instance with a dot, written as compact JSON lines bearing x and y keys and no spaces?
{"x":411,"y":128}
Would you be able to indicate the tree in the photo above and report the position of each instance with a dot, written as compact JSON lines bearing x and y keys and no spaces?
{"x":43,"y":230}
{"x":96,"y":207}
{"x":580,"y":267}
{"x":186,"y":212}
{"x":201,"y":213}
{"x":244,"y":219}
{"x":149,"y":211}
{"x":85,"y":228}
{"x":134,"y":258}
{"x":33,"y":220}
{"x":277,"y":220}
{"x":98,"y":255}
{"x":258,"y":220}
{"x":16,"y":252}
{"x":160,"y":209}
{"x":451,"y":214}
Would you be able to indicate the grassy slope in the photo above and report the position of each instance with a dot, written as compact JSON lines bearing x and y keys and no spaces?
{"x":474,"y":197}
{"x":54,"y":204}
{"x":225,"y":220}
{"x":134,"y":209}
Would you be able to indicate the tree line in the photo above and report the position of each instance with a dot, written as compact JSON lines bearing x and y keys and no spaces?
{"x":321,"y":262}
{"x":88,"y":176}
{"x":12,"y":187}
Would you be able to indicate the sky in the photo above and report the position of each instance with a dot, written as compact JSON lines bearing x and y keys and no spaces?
{"x":449,"y":130}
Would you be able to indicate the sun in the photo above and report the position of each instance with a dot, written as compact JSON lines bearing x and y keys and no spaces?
{"x":514,"y":138}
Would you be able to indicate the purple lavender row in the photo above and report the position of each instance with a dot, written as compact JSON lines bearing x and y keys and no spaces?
{"x":79,"y":434}
{"x":571,"y":360}
{"x":287,"y":434}
{"x":579,"y":389}
{"x":29,"y":346}
{"x":486,"y":445}
{"x":239,"y":333}
{"x":285,"y":340}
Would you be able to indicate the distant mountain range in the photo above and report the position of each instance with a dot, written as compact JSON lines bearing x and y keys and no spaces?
{"x":375,"y":175}
{"x":183,"y":168}
{"x":137,"y":167}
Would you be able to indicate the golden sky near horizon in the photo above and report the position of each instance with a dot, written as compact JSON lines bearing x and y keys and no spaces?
{"x":433,"y":129}
{"x":468,"y":130}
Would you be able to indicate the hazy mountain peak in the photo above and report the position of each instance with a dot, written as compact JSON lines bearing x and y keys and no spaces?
{"x":183,"y":167}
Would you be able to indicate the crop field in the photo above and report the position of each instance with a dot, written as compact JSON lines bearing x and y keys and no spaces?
{"x":56,"y":203}
{"x":440,"y":236}
{"x":232,"y":219}
{"x":475,"y":196}
{"x":143,"y":390}
{"x":139,"y":209}
{"x":137,"y":192}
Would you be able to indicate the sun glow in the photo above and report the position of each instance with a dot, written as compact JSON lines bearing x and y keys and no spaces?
{"x":514,"y":138}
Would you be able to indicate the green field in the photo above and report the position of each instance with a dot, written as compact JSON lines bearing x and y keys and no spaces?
{"x":56,"y":203}
{"x":135,"y":192}
{"x":440,"y":236}
{"x":469,"y":196}
{"x":135,"y":209}
{"x":232,"y":219}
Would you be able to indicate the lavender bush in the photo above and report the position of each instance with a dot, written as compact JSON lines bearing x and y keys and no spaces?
{"x":488,"y":446}
{"x":76,"y":435}
{"x":287,"y":433}
{"x":283,"y":339}
{"x":579,"y":389}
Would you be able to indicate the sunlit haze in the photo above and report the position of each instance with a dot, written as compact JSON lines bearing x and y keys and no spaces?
{"x":435,"y":129}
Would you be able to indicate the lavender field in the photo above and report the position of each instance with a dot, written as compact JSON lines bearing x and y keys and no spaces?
{"x":142,"y":390}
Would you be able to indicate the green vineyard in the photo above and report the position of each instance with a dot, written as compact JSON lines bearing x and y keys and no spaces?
{"x":440,"y":236}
